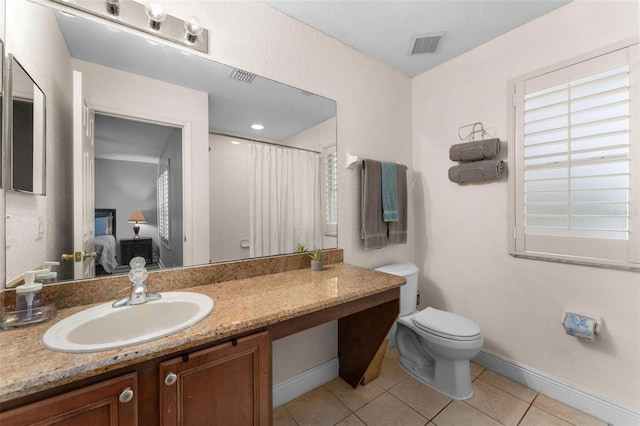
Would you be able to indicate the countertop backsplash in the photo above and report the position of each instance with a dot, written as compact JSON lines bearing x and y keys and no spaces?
{"x":103,"y":289}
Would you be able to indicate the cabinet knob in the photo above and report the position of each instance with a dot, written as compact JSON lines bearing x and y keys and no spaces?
{"x":170,"y":379}
{"x":126,"y":395}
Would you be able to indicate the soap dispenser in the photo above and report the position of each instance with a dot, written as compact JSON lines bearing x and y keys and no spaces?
{"x":28,"y":295}
{"x":46,"y":275}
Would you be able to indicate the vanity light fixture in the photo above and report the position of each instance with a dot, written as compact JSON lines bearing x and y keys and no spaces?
{"x":257,"y":126}
{"x":156,"y":15}
{"x":193,"y":28}
{"x":148,"y":17}
{"x":113,"y":7}
{"x":136,"y":218}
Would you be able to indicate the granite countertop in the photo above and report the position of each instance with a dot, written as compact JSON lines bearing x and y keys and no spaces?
{"x":240,"y":307}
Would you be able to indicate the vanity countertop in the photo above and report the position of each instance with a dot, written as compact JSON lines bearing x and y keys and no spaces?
{"x":240,"y":306}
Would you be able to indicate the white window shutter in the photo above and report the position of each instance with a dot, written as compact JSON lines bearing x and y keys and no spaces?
{"x":575,"y":161}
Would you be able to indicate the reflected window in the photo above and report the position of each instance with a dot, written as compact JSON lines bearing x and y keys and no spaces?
{"x":330,"y":156}
{"x":163,"y":204}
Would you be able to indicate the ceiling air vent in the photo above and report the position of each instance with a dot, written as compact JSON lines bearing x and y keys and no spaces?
{"x":240,"y":75}
{"x":426,"y":43}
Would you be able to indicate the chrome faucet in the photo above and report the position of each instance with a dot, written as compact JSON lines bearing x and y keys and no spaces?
{"x":139,"y":293}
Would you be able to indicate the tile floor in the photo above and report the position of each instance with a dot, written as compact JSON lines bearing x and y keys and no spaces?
{"x":396,"y":399}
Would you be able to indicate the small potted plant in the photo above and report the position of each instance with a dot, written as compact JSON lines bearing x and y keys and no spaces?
{"x":301,"y":248}
{"x":316,"y":260}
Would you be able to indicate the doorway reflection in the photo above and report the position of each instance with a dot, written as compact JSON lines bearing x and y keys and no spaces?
{"x":138,"y":168}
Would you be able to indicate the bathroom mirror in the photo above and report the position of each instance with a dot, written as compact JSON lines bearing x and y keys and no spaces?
{"x":140,"y":94}
{"x":27,"y":147}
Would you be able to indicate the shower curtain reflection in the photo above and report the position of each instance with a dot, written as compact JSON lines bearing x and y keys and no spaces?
{"x":284,"y":199}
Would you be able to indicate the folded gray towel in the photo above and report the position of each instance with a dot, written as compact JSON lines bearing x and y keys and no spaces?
{"x":477,"y":150}
{"x":476,"y":171}
{"x":374,"y":229}
{"x":398,"y":230}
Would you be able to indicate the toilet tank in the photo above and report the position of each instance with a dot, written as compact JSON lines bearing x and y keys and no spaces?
{"x":409,"y":291}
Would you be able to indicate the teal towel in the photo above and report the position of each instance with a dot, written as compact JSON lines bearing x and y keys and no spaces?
{"x":389,"y":192}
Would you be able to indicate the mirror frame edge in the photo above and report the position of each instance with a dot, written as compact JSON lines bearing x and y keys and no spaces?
{"x":3,"y":150}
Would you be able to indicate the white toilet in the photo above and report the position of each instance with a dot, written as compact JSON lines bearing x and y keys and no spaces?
{"x":434,"y":346}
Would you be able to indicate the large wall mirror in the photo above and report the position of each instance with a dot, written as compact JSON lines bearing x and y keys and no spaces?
{"x":144,"y":135}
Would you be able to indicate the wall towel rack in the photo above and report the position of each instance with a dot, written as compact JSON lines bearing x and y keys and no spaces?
{"x":472,"y":133}
{"x":353,"y":160}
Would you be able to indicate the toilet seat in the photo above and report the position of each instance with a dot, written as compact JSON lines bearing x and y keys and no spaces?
{"x":446,"y":324}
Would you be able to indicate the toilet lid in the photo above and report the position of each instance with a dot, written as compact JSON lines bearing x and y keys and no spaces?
{"x":446,"y":324}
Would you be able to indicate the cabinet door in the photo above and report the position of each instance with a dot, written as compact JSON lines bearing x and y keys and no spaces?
{"x":228,"y":384}
{"x":109,"y":403}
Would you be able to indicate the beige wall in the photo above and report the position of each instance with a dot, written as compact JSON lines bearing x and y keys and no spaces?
{"x":228,"y":187}
{"x":461,"y":244}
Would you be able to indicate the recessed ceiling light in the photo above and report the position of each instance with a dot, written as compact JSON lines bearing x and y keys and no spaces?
{"x":235,"y":143}
{"x":257,"y":126}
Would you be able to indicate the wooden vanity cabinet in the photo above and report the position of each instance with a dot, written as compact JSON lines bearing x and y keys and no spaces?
{"x":228,"y":384}
{"x":111,"y":402}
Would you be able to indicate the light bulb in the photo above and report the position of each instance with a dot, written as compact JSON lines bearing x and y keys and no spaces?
{"x":156,"y":15}
{"x":193,"y":27}
{"x":113,"y":7}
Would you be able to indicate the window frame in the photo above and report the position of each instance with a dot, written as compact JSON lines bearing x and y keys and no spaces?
{"x":572,"y":252}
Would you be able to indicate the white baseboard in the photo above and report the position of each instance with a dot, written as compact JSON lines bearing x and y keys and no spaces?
{"x":560,"y":390}
{"x":302,"y":383}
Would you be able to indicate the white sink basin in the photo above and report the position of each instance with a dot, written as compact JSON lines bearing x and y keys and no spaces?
{"x":104,"y":327}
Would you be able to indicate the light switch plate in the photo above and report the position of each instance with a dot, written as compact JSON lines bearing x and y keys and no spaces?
{"x":39,"y":227}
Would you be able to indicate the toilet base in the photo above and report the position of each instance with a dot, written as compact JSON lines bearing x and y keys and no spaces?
{"x":457,"y":383}
{"x":423,"y":360}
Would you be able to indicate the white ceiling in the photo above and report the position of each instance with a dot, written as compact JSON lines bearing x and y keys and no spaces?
{"x":121,"y":139}
{"x":385,"y":30}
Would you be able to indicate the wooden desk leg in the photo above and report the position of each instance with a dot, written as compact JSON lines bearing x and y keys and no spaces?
{"x":359,"y":337}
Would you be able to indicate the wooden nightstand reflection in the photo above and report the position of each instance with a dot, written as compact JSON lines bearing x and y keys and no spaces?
{"x":132,"y":247}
